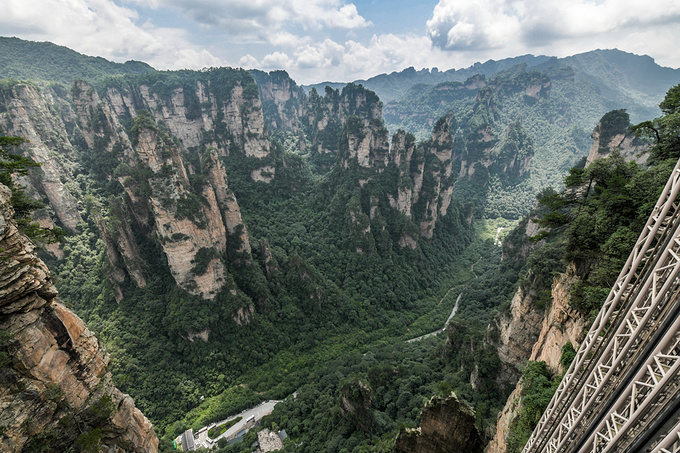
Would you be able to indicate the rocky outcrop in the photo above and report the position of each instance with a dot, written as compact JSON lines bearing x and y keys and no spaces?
{"x":560,"y":324}
{"x":282,"y":100}
{"x":499,"y":443}
{"x":55,"y":390}
{"x":426,"y":176}
{"x":163,"y":142}
{"x":613,"y":133}
{"x":44,"y":120}
{"x":317,"y":121}
{"x":356,"y":398}
{"x":176,"y":188}
{"x":519,"y":329}
{"x":367,"y":145}
{"x":446,"y":426}
{"x":345,"y":130}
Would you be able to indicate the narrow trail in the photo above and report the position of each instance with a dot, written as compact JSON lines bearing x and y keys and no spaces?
{"x":447,"y":293}
{"x":497,"y":241}
{"x":472,"y":267}
{"x":453,"y":313}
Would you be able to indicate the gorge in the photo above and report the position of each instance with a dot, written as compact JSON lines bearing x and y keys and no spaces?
{"x":233,"y":238}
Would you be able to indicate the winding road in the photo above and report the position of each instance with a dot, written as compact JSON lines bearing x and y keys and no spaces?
{"x":453,"y":313}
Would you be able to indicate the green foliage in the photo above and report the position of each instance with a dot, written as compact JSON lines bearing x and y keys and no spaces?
{"x":45,"y":63}
{"x":567,"y":356}
{"x":664,"y":131}
{"x":538,"y":387}
{"x":230,"y":402}
{"x":143,"y":120}
{"x":612,"y":123}
{"x":321,"y":307}
{"x":597,"y":218}
{"x":53,"y":393}
{"x":217,"y":430}
{"x":11,"y":165}
{"x":203,"y":257}
{"x":90,"y":441}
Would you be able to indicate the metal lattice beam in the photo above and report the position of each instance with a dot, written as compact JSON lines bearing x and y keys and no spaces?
{"x":671,"y":442}
{"x":640,"y":292}
{"x":641,"y":401}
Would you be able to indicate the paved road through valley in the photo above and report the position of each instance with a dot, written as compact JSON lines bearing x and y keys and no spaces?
{"x":453,"y":313}
{"x":258,"y":412}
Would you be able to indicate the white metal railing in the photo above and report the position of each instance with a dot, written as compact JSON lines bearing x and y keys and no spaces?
{"x":574,"y":395}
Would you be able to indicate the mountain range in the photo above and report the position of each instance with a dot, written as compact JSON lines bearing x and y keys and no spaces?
{"x":234,"y":237}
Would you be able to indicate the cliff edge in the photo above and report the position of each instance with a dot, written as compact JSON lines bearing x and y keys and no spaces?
{"x":55,"y":391}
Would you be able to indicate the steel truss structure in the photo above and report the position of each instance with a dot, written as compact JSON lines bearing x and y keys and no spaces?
{"x":670,"y":443}
{"x":628,"y":367}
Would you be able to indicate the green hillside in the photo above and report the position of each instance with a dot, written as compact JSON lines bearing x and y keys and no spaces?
{"x":44,"y":62}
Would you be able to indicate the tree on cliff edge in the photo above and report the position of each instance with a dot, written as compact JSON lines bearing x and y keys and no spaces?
{"x":12,"y":164}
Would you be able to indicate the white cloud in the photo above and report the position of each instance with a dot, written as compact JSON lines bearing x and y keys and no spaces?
{"x":329,"y":60}
{"x":276,"y":60}
{"x":260,"y":17}
{"x":475,"y":24}
{"x":520,"y":26}
{"x":102,"y":28}
{"x":249,"y":62}
{"x":286,"y":39}
{"x":317,"y":40}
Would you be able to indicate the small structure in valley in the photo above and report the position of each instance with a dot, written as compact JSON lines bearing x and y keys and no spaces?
{"x":186,"y":440}
{"x":269,"y":441}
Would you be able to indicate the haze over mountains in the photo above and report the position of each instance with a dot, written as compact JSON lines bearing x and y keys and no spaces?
{"x":235,"y":237}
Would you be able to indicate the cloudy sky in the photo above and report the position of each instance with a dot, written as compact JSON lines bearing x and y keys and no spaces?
{"x":343,"y":40}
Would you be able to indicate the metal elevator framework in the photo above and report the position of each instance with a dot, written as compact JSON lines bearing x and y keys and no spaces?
{"x":622,"y":390}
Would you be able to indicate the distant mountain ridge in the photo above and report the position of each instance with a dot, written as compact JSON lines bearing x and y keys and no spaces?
{"x":48,"y":62}
{"x":639,"y":73}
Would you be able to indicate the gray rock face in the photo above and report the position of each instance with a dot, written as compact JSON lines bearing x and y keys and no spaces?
{"x":53,"y":372}
{"x":446,"y":426}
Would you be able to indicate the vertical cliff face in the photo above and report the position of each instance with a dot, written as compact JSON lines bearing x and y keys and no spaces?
{"x":45,"y":120}
{"x":531,"y":333}
{"x":446,"y":425}
{"x":409,"y":181}
{"x":317,"y":121}
{"x":55,"y":390}
{"x":162,"y":141}
{"x":165,"y":144}
{"x":282,"y":100}
{"x":613,"y":133}
{"x":364,"y":143}
{"x":506,"y":155}
{"x":547,"y":332}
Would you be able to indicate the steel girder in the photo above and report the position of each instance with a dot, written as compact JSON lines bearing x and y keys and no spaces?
{"x":627,"y":318}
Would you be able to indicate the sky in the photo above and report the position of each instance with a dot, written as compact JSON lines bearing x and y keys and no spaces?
{"x":338,"y":40}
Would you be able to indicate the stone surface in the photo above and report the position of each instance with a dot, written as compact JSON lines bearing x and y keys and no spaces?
{"x":269,"y":441}
{"x":621,"y":140}
{"x":57,"y":369}
{"x":32,"y":117}
{"x":558,"y":325}
{"x":446,"y":426}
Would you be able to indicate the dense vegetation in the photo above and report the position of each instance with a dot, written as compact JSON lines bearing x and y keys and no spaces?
{"x":594,"y":223}
{"x":387,"y":380}
{"x":315,"y":301}
{"x":46,"y":63}
{"x":333,"y":305}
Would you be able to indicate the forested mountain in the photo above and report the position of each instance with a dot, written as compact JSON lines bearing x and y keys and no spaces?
{"x":553,"y":102}
{"x":44,"y":62}
{"x":396,"y":85}
{"x":635,"y":80}
{"x":232,"y":238}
